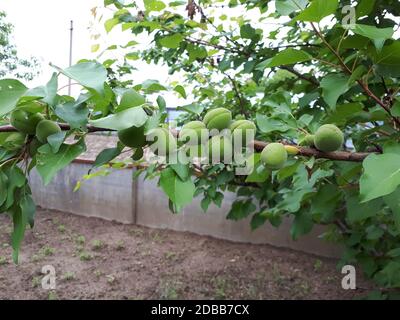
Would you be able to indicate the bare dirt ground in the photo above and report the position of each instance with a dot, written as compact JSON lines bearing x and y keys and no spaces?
{"x":97,"y":259}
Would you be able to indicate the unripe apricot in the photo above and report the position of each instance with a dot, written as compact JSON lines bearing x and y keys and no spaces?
{"x":219,"y":119}
{"x":218,"y":148}
{"x":192,"y":131}
{"x":274,"y":156}
{"x":14,"y":141}
{"x":242,"y":128}
{"x":24,"y":121}
{"x":328,"y":138}
{"x":133,"y":137}
{"x":46,"y":128}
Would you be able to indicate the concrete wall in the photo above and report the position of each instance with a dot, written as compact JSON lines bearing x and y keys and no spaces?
{"x":117,"y":197}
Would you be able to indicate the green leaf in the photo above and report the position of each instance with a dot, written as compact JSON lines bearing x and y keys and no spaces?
{"x":247,"y":31}
{"x":107,"y":155}
{"x":10,"y":92}
{"x":172,"y":41}
{"x":377,"y":35}
{"x":48,"y":163}
{"x":20,"y":220}
{"x":161,"y":103}
{"x":178,"y":191}
{"x":333,"y":86}
{"x":182,"y":170}
{"x":152,"y":86}
{"x":302,"y":224}
{"x":267,"y":124}
{"x":56,"y":140}
{"x":74,"y":113}
{"x":285,"y":57}
{"x":3,"y":187}
{"x":196,"y":52}
{"x":260,"y":173}
{"x":287,"y":7}
{"x":181,"y":91}
{"x":110,"y":24}
{"x":357,"y":211}
{"x":122,"y":120}
{"x":344,"y":112}
{"x":388,"y":60}
{"x":317,"y":10}
{"x":381,"y":176}
{"x":205,"y":203}
{"x":241,"y":210}
{"x":392,"y":200}
{"x":16,"y":179}
{"x":88,"y":74}
{"x":28,"y":208}
{"x":192,"y":108}
{"x":51,"y":90}
{"x":154,"y":5}
{"x":131,"y":98}
{"x":258,"y":220}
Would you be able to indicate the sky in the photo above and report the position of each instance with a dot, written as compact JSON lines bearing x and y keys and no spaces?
{"x":41,"y":29}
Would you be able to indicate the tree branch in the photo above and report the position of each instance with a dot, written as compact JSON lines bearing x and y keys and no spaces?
{"x":258,"y":146}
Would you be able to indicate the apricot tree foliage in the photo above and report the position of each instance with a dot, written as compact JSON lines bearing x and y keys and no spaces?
{"x":289,"y":66}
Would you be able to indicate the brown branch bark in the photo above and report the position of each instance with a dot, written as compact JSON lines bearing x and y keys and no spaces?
{"x":258,"y":146}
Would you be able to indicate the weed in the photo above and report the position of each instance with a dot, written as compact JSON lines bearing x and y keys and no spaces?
{"x":97,"y":244}
{"x":85,"y":256}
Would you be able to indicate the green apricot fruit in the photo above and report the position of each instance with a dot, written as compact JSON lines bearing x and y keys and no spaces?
{"x":328,"y":138}
{"x":34,"y":145}
{"x":191,"y":133}
{"x":274,"y":156}
{"x":218,"y":148}
{"x":241,"y":128}
{"x":133,"y":137}
{"x":24,"y":121}
{"x":308,"y":140}
{"x":14,"y":141}
{"x":164,"y":141}
{"x":46,"y":128}
{"x":219,"y":119}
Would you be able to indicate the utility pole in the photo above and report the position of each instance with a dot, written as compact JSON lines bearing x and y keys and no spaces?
{"x":71,"y":31}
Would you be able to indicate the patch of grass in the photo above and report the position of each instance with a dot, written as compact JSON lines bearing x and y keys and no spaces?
{"x":98,"y":273}
{"x":61,"y":228}
{"x":169,"y":290}
{"x":170,"y":255}
{"x":317,"y":265}
{"x":68,"y":276}
{"x":36,"y":281}
{"x":47,"y":251}
{"x":52,"y":296}
{"x":221,"y":286}
{"x":85,"y":256}
{"x":80,"y":240}
{"x":97,"y":245}
{"x":156,"y":237}
{"x":136,"y":232}
{"x":3,"y":260}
